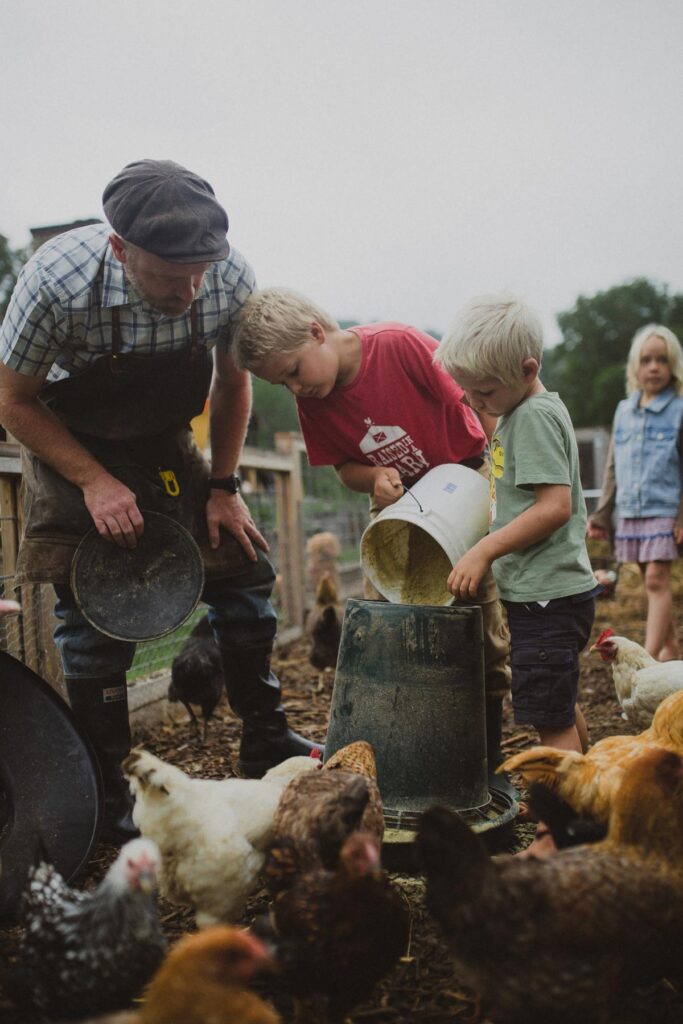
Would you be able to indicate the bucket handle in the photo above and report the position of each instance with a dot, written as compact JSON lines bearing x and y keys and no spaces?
{"x":407,"y":490}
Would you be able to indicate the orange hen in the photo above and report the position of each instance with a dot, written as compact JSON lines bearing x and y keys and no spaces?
{"x":203,"y":980}
{"x":587,"y":782}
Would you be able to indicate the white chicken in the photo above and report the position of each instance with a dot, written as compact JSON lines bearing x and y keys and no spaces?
{"x":641,"y":682}
{"x":212,"y":833}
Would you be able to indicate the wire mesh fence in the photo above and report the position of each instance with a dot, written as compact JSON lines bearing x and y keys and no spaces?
{"x":324,"y":505}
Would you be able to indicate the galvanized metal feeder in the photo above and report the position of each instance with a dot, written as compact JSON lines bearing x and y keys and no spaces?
{"x":410,"y":681}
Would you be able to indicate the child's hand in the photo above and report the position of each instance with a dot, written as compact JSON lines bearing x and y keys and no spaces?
{"x":468,"y":573}
{"x":596,"y":532}
{"x":388,"y":488}
{"x":678,"y":534}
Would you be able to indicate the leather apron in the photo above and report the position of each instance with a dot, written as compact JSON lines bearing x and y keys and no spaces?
{"x":132,"y":414}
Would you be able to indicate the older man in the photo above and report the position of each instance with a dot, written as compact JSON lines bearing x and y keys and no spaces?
{"x":110,"y":345}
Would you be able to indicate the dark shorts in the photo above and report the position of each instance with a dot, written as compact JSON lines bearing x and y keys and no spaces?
{"x":545,"y":645}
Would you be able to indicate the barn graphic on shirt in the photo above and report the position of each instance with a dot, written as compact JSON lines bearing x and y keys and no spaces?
{"x":392,"y":446}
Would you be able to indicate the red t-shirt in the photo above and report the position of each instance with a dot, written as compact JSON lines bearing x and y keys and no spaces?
{"x":401,"y":409}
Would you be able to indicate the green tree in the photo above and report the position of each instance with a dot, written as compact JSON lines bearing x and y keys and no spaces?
{"x":587,"y":367}
{"x":11,"y":261}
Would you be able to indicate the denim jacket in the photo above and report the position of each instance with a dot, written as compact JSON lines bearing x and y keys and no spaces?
{"x":647,"y":457}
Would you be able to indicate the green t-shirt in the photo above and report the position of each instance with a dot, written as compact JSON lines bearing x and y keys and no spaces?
{"x":535,"y":444}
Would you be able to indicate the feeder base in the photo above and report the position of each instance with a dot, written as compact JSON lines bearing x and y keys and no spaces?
{"x":493,"y":822}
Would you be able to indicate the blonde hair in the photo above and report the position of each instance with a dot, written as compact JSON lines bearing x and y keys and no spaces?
{"x":673,"y":351}
{"x":491,"y":337}
{"x":272,"y":322}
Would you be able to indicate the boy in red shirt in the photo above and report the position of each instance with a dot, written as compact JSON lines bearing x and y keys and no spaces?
{"x":372,"y":403}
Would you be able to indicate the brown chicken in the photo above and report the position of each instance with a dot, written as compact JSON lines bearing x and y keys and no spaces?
{"x":587,"y":782}
{"x":203,"y":981}
{"x":315,"y":816}
{"x":563,"y":939}
{"x":322,"y":552}
{"x":337,"y":933}
{"x":323,"y":624}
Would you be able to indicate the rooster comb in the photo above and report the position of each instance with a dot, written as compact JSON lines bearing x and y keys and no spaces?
{"x":605,"y":635}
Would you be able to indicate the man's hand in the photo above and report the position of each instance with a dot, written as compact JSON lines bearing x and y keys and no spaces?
{"x":230,"y":512}
{"x":467,"y":574}
{"x":387,"y":488}
{"x":114,"y":510}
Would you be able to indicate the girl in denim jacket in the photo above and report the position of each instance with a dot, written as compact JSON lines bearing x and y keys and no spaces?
{"x":644,"y":478}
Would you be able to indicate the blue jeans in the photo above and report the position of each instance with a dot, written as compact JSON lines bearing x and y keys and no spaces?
{"x":239,"y":611}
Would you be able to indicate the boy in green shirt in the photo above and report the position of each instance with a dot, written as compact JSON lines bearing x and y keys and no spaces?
{"x":536,"y":544}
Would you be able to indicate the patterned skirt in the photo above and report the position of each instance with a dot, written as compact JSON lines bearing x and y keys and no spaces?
{"x":645,"y":540}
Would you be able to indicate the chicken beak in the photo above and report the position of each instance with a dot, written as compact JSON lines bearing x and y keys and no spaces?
{"x":147,"y":880}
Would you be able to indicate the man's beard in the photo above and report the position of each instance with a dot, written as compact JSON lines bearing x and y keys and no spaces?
{"x":168,"y":307}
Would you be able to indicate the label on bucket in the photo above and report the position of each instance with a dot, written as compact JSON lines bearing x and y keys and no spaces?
{"x":450,"y":488}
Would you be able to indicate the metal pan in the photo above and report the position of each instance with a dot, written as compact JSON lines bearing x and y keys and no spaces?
{"x":144,"y":593}
{"x":50,"y":786}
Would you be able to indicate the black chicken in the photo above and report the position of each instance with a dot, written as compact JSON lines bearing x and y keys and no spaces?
{"x":89,"y":952}
{"x":197,"y":674}
{"x":566,"y":827}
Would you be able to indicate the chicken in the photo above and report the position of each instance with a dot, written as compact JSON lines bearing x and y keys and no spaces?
{"x":212,"y":834}
{"x":561,"y":939}
{"x":358,"y":757}
{"x":322,"y":552}
{"x":317,"y":812}
{"x":324,"y":624}
{"x":587,"y":782}
{"x":203,"y":981}
{"x":197,"y":674}
{"x":641,"y":682}
{"x":646,"y":817}
{"x":560,"y":820}
{"x":89,"y":952}
{"x":337,"y":933}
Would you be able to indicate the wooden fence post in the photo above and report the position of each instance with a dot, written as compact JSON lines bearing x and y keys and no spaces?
{"x":289,"y":494}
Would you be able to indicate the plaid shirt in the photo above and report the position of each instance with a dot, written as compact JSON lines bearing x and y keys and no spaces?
{"x":59,"y":319}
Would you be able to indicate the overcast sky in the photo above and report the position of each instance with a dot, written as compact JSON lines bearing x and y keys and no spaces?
{"x":390,"y":158}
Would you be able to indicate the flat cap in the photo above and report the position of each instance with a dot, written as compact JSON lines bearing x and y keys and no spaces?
{"x":167,"y":210}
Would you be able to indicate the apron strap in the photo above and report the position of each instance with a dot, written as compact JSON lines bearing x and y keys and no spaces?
{"x":115,"y":360}
{"x":194,"y":332}
{"x":116,"y":343}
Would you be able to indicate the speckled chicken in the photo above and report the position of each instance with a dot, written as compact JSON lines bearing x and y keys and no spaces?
{"x":587,"y":782}
{"x":324,"y":624}
{"x":203,"y":981}
{"x":317,"y":811}
{"x":197,"y":674}
{"x":337,"y":933}
{"x":90,"y":952}
{"x":562,"y":939}
{"x":213,"y":833}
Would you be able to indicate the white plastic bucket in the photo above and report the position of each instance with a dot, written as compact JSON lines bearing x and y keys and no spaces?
{"x":409,"y":549}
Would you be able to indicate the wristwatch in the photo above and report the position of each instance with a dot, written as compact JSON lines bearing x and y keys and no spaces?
{"x":230,"y":483}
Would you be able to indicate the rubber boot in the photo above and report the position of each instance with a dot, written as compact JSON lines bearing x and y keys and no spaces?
{"x":253,"y":692}
{"x":494,"y":734}
{"x":100,"y":707}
